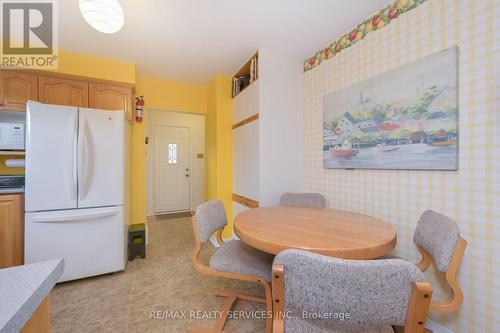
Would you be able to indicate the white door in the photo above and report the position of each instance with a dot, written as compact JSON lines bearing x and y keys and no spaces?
{"x":171,"y":169}
{"x":91,"y":241}
{"x":101,"y":158}
{"x":51,"y":161}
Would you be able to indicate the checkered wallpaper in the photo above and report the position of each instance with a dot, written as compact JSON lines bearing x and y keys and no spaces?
{"x":470,"y":195}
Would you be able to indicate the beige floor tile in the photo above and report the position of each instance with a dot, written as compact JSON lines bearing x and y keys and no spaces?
{"x":164,"y":281}
{"x":146,"y":312}
{"x":151,"y":326}
{"x":108,"y":307}
{"x":105,"y":325}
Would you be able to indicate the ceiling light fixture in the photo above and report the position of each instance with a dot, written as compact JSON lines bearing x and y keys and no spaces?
{"x":103,"y":15}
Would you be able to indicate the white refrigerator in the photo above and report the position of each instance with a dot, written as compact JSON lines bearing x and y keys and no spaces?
{"x":74,"y":192}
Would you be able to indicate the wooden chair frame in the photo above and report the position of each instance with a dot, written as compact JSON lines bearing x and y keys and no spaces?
{"x":455,"y":300}
{"x":416,"y":315}
{"x":232,"y":296}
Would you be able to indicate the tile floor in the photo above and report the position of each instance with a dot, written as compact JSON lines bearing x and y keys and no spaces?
{"x":164,"y":281}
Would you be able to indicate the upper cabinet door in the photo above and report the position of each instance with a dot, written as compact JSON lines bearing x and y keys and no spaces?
{"x":61,"y":91}
{"x":111,"y":97}
{"x":16,"y":88}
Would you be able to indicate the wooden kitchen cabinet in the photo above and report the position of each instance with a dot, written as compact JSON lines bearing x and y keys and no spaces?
{"x":19,"y":86}
{"x":16,"y":88}
{"x":40,"y":320}
{"x":62,"y":91}
{"x":111,"y":97}
{"x":11,"y":230}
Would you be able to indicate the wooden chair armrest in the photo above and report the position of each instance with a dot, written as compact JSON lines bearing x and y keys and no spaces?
{"x":278,"y":295}
{"x":219,"y":236}
{"x":425,"y":261}
{"x":418,"y":307}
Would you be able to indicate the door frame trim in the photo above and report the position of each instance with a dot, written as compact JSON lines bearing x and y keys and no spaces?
{"x":197,"y":145}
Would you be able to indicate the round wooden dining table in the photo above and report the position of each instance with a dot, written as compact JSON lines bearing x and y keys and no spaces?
{"x":331,"y":232}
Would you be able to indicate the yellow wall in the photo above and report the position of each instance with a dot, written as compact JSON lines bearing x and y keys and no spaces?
{"x":218,"y":145}
{"x":211,"y":142}
{"x":172,"y":95}
{"x":96,"y":67}
{"x":163,"y":95}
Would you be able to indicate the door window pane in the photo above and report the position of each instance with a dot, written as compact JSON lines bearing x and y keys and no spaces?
{"x":172,"y":153}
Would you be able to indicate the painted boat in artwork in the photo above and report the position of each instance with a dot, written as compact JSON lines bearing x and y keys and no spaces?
{"x":385,"y":148}
{"x":346,"y":150}
{"x":443,"y":143}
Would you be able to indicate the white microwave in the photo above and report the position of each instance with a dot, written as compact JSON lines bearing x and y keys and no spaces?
{"x":11,"y":136}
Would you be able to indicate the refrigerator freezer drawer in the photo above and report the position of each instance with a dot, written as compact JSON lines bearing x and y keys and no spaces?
{"x":91,"y":241}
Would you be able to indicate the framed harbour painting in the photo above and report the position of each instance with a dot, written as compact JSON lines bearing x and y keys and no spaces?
{"x":405,"y":119}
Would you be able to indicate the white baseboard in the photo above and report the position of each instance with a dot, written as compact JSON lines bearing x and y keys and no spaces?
{"x":437,"y":328}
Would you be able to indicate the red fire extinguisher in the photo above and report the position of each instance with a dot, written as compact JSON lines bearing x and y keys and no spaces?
{"x":139,"y":106}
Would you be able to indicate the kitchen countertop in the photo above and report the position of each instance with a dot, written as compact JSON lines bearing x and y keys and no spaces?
{"x":22,"y":290}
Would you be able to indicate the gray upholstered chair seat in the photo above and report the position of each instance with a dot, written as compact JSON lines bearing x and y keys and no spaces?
{"x":233,"y":260}
{"x":236,"y":257}
{"x":308,"y":326}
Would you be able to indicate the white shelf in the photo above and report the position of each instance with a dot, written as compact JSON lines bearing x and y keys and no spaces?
{"x":268,"y":151}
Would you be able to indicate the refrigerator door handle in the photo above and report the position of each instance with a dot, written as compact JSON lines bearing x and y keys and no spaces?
{"x":90,"y":158}
{"x":83,"y":160}
{"x":73,"y":161}
{"x":80,"y":216}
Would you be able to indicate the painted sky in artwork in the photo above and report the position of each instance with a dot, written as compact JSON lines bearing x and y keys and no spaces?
{"x":401,"y":83}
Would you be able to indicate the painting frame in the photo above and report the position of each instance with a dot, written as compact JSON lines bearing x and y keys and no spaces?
{"x":408,"y":131}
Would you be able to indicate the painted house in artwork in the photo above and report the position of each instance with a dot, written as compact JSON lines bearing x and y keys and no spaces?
{"x":345,"y":125}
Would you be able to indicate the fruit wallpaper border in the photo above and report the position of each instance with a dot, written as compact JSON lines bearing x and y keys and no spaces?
{"x":375,"y":22}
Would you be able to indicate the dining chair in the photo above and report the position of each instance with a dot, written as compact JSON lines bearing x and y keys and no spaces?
{"x":438,"y":239}
{"x":319,"y":294}
{"x":232,"y":260}
{"x":303,"y":199}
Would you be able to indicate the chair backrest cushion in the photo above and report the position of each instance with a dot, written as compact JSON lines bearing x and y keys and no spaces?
{"x":369,"y":292}
{"x":303,"y":199}
{"x":437,"y":234}
{"x":210,"y":217}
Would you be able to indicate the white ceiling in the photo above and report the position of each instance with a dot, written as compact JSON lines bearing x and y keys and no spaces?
{"x":191,"y":40}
